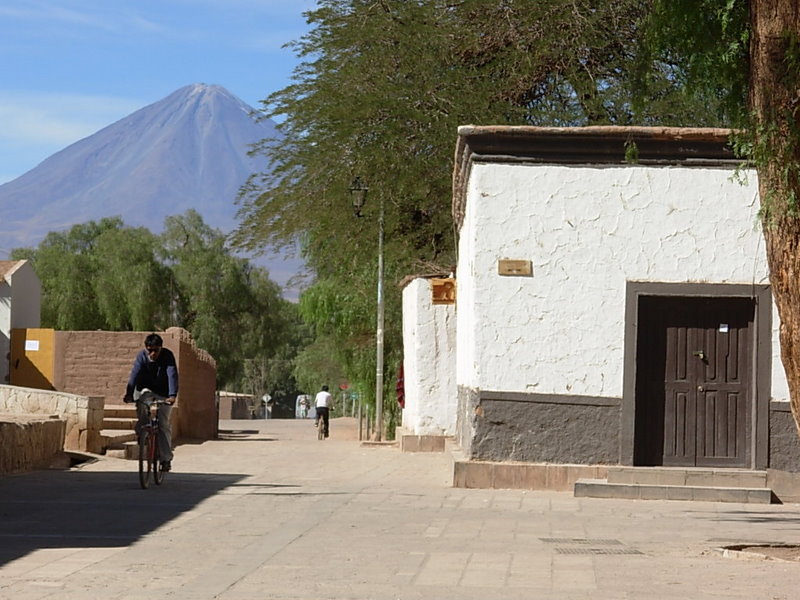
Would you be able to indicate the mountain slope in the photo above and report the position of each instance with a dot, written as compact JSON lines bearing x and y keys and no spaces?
{"x":188,"y":150}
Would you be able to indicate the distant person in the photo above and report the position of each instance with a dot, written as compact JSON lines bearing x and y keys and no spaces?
{"x":303,"y":407}
{"x":154,"y":376}
{"x":323,"y":402}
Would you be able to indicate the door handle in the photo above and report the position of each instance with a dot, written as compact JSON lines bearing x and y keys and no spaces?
{"x":700,"y":388}
{"x":699,"y":354}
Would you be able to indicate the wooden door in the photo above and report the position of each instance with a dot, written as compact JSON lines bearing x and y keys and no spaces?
{"x":694,"y":381}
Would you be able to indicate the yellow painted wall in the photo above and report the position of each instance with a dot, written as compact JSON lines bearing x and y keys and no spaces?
{"x":32,"y":358}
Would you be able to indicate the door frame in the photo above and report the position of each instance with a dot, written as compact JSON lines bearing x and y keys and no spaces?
{"x":761,"y":354}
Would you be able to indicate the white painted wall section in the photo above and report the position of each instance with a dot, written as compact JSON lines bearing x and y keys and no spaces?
{"x":588,"y":230}
{"x":429,"y":361}
{"x":20,"y":307}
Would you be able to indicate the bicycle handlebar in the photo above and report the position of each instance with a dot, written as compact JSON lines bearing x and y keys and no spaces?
{"x":154,"y":402}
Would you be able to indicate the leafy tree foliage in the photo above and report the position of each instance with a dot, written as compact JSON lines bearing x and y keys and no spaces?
{"x":380,"y":94}
{"x":104,"y":275}
{"x":87,"y":280}
{"x":748,"y":53}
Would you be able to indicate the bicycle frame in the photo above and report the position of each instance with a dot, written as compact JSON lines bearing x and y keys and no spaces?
{"x":148,"y":447}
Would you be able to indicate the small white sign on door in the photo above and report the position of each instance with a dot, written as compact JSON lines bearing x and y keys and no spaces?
{"x":723,"y":328}
{"x":31,"y":345}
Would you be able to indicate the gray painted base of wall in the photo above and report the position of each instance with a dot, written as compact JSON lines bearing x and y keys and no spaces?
{"x":538,"y":428}
{"x":784,"y":441}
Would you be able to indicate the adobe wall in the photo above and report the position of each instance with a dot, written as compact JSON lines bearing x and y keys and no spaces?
{"x":97,"y":363}
{"x":196,"y":415}
{"x":235,"y":406}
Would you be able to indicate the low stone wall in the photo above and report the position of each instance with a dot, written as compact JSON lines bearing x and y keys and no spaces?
{"x":29,"y":442}
{"x":82,"y":415}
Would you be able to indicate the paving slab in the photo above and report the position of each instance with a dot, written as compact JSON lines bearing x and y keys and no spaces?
{"x":270,"y":512}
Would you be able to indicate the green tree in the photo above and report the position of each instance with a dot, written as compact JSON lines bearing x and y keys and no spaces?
{"x":231,"y":307}
{"x":380,"y":95}
{"x":86,"y":277}
{"x":748,"y":53}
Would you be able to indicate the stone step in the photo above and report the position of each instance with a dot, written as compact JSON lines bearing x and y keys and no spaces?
{"x":688,"y":476}
{"x":120,"y":411}
{"x":118,"y":423}
{"x":127,"y":450}
{"x":115,"y":438}
{"x":601,"y":488}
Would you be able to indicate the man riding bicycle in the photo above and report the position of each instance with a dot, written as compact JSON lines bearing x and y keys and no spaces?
{"x":323,"y":403}
{"x":154,"y":376}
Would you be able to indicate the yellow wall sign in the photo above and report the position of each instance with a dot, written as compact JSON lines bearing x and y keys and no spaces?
{"x":443,"y":291}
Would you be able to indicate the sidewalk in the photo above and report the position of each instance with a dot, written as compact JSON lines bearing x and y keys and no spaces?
{"x":270,"y":512}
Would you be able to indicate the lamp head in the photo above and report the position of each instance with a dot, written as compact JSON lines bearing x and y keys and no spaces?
{"x":358,"y":193}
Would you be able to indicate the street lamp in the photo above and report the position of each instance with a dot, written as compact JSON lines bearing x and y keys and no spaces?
{"x":358,"y":193}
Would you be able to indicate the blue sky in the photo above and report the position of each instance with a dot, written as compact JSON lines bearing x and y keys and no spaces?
{"x":70,"y":67}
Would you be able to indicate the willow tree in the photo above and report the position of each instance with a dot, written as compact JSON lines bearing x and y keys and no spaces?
{"x":748,"y":54}
{"x":382,"y":90}
{"x":101,"y":275}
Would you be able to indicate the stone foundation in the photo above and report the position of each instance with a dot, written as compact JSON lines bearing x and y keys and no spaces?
{"x":29,"y":442}
{"x":525,"y":476}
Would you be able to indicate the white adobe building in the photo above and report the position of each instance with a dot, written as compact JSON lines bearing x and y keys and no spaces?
{"x":613,"y":304}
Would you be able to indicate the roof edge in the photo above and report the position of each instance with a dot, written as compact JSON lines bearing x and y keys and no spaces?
{"x":596,"y":145}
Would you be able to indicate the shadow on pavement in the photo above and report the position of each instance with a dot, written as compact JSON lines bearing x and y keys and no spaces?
{"x":733,"y":515}
{"x":82,"y":509}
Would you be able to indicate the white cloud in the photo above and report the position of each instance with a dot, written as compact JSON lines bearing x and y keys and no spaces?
{"x":36,"y":10}
{"x":37,"y":125}
{"x":58,"y":119}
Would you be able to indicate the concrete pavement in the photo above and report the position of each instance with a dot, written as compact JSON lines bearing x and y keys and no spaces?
{"x":269,"y":512}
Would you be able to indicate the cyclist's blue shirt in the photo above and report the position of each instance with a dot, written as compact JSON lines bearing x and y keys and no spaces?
{"x":159,"y":375}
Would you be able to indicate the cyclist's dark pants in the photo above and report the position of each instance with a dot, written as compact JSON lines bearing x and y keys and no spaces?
{"x":322,"y":412}
{"x":164,"y":426}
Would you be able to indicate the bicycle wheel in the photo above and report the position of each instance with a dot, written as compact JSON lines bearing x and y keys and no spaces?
{"x":145,"y":460}
{"x":158,"y":474}
{"x":321,"y":429}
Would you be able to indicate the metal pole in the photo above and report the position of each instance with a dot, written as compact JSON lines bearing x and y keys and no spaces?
{"x":379,"y":336}
{"x":360,"y":423}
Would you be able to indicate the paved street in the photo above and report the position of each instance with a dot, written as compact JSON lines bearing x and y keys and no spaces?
{"x":269,"y":512}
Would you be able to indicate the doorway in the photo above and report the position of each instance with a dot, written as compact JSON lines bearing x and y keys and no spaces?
{"x":694,"y":388}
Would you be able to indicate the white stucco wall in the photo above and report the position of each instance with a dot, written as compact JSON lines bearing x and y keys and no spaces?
{"x":20,"y":307}
{"x":588,"y":230}
{"x":429,"y":361}
{"x":26,"y":297}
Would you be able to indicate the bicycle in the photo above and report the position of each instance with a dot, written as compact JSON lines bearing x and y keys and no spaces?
{"x":149,"y":461}
{"x":322,"y":417}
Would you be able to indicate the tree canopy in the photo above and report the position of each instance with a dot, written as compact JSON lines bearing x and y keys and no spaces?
{"x":382,"y":90}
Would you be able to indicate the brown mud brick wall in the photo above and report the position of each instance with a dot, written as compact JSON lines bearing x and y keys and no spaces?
{"x":97,"y":363}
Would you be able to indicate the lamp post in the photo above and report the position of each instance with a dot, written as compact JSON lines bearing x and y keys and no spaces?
{"x":358,"y":192}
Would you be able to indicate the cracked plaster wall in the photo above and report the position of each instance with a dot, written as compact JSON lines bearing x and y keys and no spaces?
{"x":429,"y":358}
{"x":587,"y":230}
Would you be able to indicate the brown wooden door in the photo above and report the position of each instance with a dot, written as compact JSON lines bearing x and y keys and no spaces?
{"x":694,"y":381}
